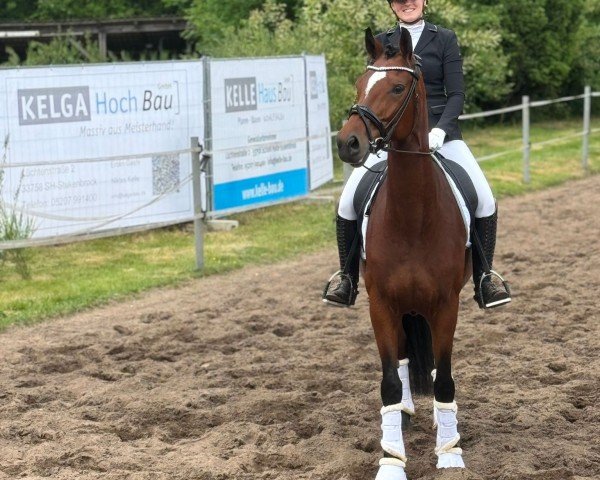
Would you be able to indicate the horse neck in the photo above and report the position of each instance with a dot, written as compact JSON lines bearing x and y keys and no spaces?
{"x":412,"y":184}
{"x":413,"y":179}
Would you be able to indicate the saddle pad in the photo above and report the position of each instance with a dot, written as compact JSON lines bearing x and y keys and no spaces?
{"x":461,"y":180}
{"x":367,"y":187}
{"x":371,"y":182}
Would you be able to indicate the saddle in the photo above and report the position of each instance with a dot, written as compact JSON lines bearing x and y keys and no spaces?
{"x":458,"y":179}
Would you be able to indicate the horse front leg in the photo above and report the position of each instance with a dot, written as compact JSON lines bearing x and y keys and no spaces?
{"x":389,"y":334}
{"x":444,"y":406}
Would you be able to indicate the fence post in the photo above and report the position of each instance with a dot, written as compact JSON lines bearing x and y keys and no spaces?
{"x":208,"y":143}
{"x":587,"y":110}
{"x":526,"y":140}
{"x":197,"y":195}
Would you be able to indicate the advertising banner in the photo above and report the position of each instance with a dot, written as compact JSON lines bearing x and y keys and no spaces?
{"x":319,"y":132}
{"x":258,"y":123}
{"x":54,"y":118}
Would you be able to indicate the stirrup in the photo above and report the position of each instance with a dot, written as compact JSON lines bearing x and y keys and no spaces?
{"x":353,"y":291}
{"x":479,"y":293}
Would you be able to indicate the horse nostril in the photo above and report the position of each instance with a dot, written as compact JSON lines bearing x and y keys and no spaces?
{"x":353,"y":144}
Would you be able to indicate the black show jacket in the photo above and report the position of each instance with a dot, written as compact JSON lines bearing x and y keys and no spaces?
{"x":443,"y":75}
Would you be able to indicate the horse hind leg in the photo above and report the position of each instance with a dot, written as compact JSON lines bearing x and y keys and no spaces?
{"x":444,"y":406}
{"x":407,"y":400}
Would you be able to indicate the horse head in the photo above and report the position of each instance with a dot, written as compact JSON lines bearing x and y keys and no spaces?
{"x":388,"y":93}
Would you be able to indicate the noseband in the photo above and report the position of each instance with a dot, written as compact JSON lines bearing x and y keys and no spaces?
{"x":386,"y":131}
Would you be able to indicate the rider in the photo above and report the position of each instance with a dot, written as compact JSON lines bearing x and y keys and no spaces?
{"x":444,"y":82}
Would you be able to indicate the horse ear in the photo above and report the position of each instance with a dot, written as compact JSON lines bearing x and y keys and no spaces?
{"x":374,"y":47}
{"x":406,"y":46}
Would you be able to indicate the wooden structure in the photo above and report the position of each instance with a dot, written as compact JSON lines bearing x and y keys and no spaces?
{"x":133,"y":35}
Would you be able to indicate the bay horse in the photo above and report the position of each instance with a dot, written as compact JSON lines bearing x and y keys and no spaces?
{"x":416,"y":256}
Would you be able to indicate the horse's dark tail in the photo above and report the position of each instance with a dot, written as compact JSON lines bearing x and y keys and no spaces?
{"x":420,"y":353}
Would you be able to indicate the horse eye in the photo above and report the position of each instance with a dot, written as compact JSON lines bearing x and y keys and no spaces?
{"x":398,"y":89}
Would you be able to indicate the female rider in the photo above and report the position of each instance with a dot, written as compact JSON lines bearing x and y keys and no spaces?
{"x":444,"y":82}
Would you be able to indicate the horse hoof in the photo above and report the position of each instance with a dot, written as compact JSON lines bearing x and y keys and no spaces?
{"x":390,"y":472}
{"x":450,"y":460}
{"x":406,"y":421}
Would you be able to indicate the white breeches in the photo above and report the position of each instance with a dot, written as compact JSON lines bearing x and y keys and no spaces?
{"x":455,"y":150}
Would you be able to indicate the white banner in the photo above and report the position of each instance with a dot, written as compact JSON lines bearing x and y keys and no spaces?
{"x":258,"y":131}
{"x":319,"y":131}
{"x":60,"y":114}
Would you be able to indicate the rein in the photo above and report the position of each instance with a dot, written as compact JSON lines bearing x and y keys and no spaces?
{"x":383,"y":142}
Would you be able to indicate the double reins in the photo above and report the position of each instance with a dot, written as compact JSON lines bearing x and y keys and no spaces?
{"x":383,"y":142}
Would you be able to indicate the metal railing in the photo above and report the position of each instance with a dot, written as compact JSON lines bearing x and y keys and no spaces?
{"x":525,"y":107}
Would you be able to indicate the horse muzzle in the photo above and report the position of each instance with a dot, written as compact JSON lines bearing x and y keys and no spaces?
{"x":352,"y":150}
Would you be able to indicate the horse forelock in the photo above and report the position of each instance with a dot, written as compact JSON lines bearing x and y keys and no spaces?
{"x":391,"y":51}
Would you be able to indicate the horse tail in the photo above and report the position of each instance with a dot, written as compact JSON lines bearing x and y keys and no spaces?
{"x":420,"y":353}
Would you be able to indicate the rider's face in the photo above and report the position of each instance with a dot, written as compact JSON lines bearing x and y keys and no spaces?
{"x":408,"y":11}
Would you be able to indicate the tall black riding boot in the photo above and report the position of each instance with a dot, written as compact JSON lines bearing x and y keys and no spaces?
{"x":342,"y":288}
{"x":488,"y":293}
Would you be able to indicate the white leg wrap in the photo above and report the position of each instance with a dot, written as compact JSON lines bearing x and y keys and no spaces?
{"x":391,"y":469}
{"x":391,"y":425}
{"x":407,"y":400}
{"x":444,"y":418}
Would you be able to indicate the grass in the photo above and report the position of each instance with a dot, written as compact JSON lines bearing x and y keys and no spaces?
{"x":69,"y":278}
{"x":549,"y":165}
{"x":72,"y":277}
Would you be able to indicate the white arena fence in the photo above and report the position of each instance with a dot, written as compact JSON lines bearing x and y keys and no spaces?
{"x":526,"y":146}
{"x":525,"y":108}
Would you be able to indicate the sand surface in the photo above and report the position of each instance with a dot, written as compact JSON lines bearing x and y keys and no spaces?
{"x":248,"y":376}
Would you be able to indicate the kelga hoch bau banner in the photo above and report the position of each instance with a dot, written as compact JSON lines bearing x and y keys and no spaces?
{"x":60,"y":114}
{"x":258,"y":121}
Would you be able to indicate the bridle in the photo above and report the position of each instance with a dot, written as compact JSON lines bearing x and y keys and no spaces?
{"x":383,"y":142}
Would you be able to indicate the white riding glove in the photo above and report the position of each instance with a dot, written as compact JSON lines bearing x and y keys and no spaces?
{"x":436,"y":139}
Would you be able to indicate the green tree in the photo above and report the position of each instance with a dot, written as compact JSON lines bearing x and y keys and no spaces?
{"x":60,"y":10}
{"x":61,"y":50}
{"x":322,"y":26}
{"x":92,"y":9}
{"x":210,"y":20}
{"x":16,"y":9}
{"x":479,"y":31}
{"x":540,"y":39}
{"x":586,"y":70}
